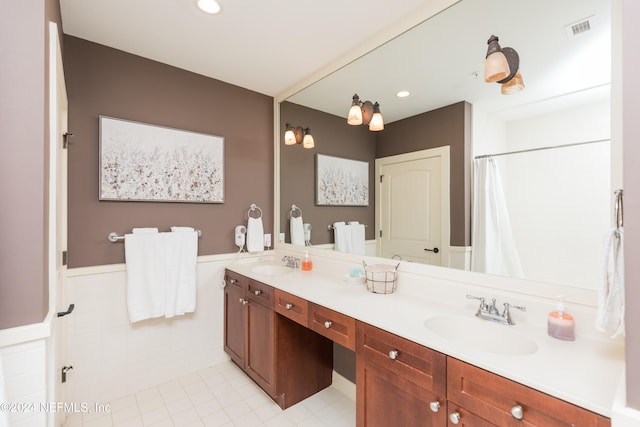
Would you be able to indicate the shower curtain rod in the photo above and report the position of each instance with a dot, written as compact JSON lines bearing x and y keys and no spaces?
{"x":538,"y":149}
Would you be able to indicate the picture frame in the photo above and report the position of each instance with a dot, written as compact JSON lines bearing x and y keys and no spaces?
{"x":341,"y":182}
{"x":143,"y":162}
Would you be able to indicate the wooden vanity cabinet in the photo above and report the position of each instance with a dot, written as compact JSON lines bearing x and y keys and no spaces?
{"x":494,"y":400}
{"x":287,"y":360}
{"x":398,"y":382}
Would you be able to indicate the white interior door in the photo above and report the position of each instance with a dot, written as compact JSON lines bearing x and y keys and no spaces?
{"x":58,"y":112}
{"x":413,"y":206}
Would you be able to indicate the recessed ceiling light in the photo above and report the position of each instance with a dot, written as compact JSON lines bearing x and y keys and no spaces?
{"x":403,"y":94}
{"x":209,"y":6}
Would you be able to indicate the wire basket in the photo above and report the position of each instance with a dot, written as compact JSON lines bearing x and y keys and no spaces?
{"x":381,"y":278}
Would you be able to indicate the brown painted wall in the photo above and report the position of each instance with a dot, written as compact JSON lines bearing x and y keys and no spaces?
{"x":105,"y":81}
{"x":451,"y":126}
{"x":333,"y":137}
{"x":24,"y":164}
{"x":631,"y":131}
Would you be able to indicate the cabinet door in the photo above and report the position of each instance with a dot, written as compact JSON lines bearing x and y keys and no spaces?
{"x":234,"y":336}
{"x":260,"y":345}
{"x":503,"y":402}
{"x":399,"y":382}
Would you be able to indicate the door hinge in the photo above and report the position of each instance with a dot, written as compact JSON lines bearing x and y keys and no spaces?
{"x":380,"y":232}
{"x":65,"y":139}
{"x":65,"y":257}
{"x":381,"y":178}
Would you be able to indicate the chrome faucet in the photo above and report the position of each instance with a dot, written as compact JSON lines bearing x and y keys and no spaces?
{"x":491,"y":312}
{"x":291,"y":261}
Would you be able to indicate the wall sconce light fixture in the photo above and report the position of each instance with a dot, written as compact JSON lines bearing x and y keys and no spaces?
{"x":298,"y":135}
{"x":502,"y":66}
{"x":365,"y":113}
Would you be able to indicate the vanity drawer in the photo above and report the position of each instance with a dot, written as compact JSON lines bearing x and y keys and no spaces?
{"x":498,"y":400}
{"x":260,"y":293}
{"x":292,"y":307}
{"x":333,"y":325}
{"x":405,"y":359}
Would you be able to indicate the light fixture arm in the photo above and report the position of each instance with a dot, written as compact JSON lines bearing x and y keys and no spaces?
{"x":513,"y":59}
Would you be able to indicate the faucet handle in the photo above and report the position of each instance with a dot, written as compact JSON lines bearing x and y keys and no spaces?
{"x":507,"y":306}
{"x":475,"y":297}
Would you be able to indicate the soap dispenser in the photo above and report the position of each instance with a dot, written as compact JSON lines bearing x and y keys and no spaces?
{"x":307,"y":264}
{"x":561,"y":325}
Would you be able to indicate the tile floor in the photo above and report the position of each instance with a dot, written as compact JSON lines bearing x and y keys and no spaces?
{"x":220,"y":396}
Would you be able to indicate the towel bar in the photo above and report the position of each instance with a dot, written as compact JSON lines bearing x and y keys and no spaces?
{"x":331,"y":227}
{"x":114,"y":237}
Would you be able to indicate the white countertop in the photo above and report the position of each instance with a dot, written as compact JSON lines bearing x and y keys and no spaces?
{"x":585,"y":372}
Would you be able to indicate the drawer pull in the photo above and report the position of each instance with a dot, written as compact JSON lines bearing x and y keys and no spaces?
{"x":393,"y":354}
{"x":243,"y":301}
{"x":233,"y":281}
{"x":454,"y":417}
{"x":328,"y":324}
{"x":257,"y":292}
{"x":288,"y":306}
{"x":434,"y":406}
{"x":517,"y":412}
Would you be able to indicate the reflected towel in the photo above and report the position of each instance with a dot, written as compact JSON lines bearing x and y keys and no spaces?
{"x":610,"y":310}
{"x":255,"y":235}
{"x":342,"y":237}
{"x":357,"y":237}
{"x":146,"y":281}
{"x":181,"y":253}
{"x":144,"y":230}
{"x":297,"y":231}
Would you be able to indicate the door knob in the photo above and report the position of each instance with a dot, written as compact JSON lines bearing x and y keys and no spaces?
{"x":434,"y":250}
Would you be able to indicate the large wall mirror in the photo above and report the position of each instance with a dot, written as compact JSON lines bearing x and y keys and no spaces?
{"x":550,"y":142}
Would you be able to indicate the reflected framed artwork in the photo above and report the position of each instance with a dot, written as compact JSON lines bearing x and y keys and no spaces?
{"x":341,"y":182}
{"x":142,"y":162}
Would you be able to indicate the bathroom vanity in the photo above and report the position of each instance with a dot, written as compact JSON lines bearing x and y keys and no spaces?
{"x":280,"y":324}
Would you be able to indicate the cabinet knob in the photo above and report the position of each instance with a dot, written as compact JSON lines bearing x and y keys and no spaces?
{"x":233,"y":281}
{"x":454,"y":417}
{"x":393,"y":354}
{"x":288,"y":306}
{"x":243,"y":301}
{"x":328,"y":324}
{"x":434,"y":406}
{"x":257,"y":292}
{"x":517,"y":412}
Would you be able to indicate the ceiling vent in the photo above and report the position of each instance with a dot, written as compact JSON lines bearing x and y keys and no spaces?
{"x":580,"y":27}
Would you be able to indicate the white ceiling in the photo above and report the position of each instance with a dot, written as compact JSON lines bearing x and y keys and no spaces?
{"x":265,"y":46}
{"x":270,"y":47}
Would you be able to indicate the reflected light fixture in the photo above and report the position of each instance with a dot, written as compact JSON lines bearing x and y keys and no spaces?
{"x":363,"y":113}
{"x":211,"y":7}
{"x":298,"y":135}
{"x":502,"y":66}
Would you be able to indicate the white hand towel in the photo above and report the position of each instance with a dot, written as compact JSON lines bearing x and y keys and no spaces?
{"x":181,"y":249}
{"x":145,"y":230}
{"x":297,"y":231}
{"x":357,"y":237}
{"x":342,"y":237}
{"x":255,"y":235}
{"x":610,"y":310}
{"x":146,"y":282}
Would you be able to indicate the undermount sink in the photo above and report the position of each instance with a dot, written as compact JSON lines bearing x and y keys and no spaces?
{"x":271,"y":269}
{"x":481,"y":334}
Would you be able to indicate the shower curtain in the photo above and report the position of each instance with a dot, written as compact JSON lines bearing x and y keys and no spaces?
{"x":493,"y":248}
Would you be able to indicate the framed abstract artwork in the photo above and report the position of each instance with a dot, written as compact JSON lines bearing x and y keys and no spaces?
{"x":341,"y":182}
{"x":142,"y":162}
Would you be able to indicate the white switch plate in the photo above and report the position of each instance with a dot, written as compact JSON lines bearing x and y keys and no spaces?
{"x":267,"y":240}
{"x":281,"y":237}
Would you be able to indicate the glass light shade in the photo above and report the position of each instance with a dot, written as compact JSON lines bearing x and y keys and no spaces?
{"x":496,"y":67}
{"x":376,"y":122}
{"x":355,"y":115}
{"x":516,"y":84}
{"x":308,"y":142}
{"x":209,"y":6}
{"x":289,"y":137}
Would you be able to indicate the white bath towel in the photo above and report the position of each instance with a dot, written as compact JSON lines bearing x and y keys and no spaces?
{"x":255,"y":235}
{"x":342,"y":237}
{"x":181,"y":253}
{"x":357,"y":237}
{"x":146,"y":280}
{"x":297,"y":231}
{"x":610,"y":311}
{"x":144,"y":230}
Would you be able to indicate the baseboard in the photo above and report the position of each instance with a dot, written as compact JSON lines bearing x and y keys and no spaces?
{"x":344,"y":386}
